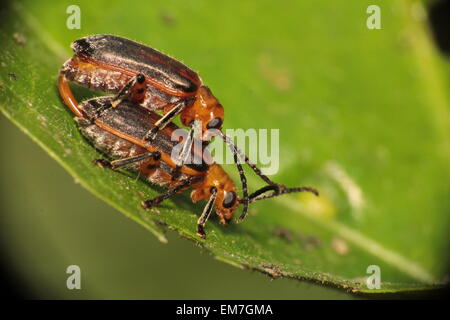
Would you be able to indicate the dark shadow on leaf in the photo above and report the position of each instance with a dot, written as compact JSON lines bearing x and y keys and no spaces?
{"x":439,"y":16}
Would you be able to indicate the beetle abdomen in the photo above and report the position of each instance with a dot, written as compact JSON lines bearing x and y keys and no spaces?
{"x":92,"y":77}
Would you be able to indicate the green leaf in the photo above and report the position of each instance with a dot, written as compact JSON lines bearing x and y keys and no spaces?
{"x":363,"y":117}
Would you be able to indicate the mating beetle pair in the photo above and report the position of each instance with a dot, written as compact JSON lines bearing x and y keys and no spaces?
{"x":145,"y":80}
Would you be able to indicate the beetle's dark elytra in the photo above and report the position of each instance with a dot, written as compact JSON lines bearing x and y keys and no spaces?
{"x":127,"y":54}
{"x":136,"y":122}
{"x":82,"y":46}
{"x":116,"y":148}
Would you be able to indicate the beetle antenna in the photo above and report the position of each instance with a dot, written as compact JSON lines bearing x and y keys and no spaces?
{"x":278,"y":191}
{"x":245,"y":200}
{"x":246,"y":159}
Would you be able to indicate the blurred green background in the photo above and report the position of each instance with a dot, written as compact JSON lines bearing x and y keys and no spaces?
{"x":370,"y":100}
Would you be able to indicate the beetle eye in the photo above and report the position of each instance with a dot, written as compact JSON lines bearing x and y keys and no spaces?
{"x":215,"y":123}
{"x":229,"y":199}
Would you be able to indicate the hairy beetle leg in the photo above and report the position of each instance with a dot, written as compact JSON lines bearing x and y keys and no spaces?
{"x":103,"y":163}
{"x":155,"y":155}
{"x":147,"y":204}
{"x":185,"y":151}
{"x":165,"y":120}
{"x":100,"y":112}
{"x":134,"y":90}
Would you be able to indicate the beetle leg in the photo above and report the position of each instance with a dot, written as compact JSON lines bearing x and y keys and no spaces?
{"x":147,"y":204}
{"x":184,"y":154}
{"x":67,"y":96}
{"x":206,"y":214}
{"x":100,"y":111}
{"x":134,"y":89}
{"x":166,"y":119}
{"x":156,"y":155}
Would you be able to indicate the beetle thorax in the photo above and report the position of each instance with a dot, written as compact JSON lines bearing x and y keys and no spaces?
{"x":205,"y":109}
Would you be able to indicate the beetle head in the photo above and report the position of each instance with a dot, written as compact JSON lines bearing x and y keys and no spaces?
{"x":226,"y":204}
{"x":207,"y":110}
{"x":226,"y":201}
